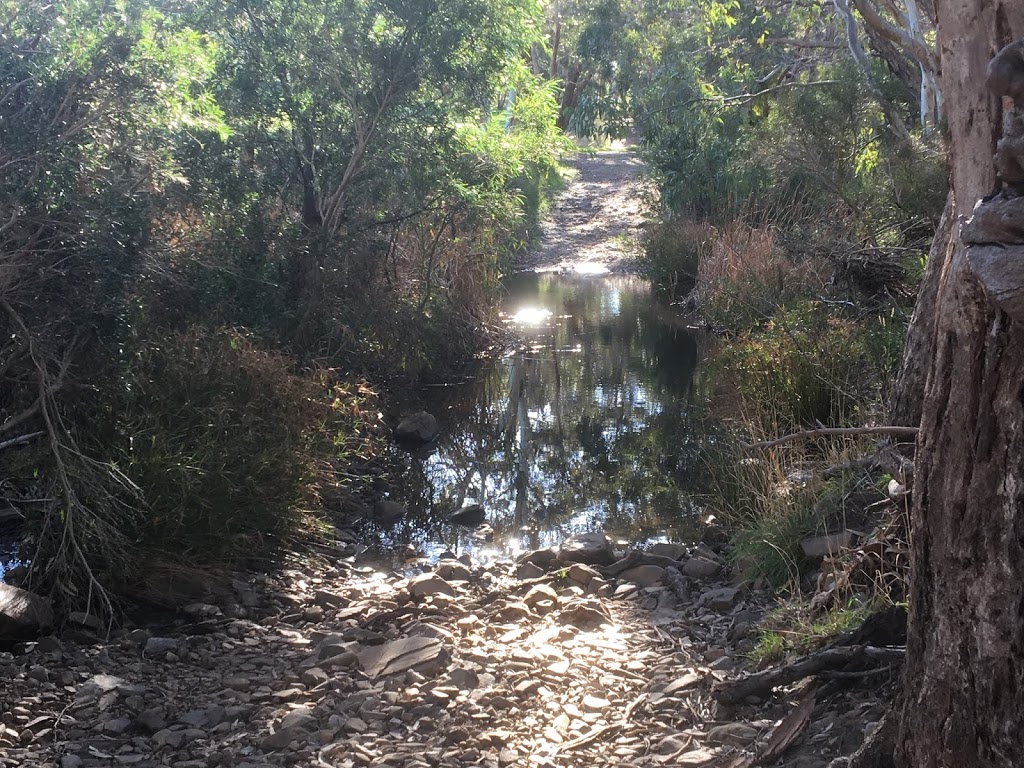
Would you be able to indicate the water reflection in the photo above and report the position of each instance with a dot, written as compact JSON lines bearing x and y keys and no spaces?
{"x":589,"y":424}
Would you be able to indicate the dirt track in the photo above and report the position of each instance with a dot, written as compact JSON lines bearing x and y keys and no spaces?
{"x":593,"y":224}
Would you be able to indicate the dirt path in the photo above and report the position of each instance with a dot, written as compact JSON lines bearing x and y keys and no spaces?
{"x":593,"y":224}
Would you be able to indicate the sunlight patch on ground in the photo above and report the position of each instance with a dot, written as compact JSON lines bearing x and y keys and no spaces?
{"x":590,"y":268}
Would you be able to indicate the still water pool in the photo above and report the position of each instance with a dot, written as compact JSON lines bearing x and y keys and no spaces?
{"x":593,"y":422}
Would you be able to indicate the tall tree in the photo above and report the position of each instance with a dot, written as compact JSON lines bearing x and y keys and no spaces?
{"x":963,"y":689}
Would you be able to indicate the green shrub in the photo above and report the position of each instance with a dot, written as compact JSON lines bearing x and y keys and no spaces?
{"x":217,"y":439}
{"x":671,"y":257}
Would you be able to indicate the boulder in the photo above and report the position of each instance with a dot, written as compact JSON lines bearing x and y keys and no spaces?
{"x":644,"y":575}
{"x":471,"y":516}
{"x":23,"y":613}
{"x":592,"y":548}
{"x":700,"y":567}
{"x":427,"y":584}
{"x":670,"y":550}
{"x":453,"y":570}
{"x":421,"y":428}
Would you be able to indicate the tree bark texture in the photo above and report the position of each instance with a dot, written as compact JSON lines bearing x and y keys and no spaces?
{"x":963,"y":691}
{"x":908,"y":392}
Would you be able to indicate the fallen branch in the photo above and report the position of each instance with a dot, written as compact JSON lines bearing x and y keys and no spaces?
{"x":20,"y":439}
{"x":761,"y":683}
{"x":829,"y":431}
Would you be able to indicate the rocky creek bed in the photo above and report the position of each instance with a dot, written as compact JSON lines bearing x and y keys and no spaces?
{"x":544,"y":661}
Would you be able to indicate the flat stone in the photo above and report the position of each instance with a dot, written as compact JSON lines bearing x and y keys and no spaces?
{"x":427,"y":655}
{"x":157,"y":645}
{"x":733,"y":735}
{"x":592,"y":548}
{"x":644,"y":575}
{"x":700,"y":567}
{"x":688,"y":680}
{"x":721,"y":599}
{"x":429,"y":584}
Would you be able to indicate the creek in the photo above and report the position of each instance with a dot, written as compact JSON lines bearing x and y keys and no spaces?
{"x":595,"y":421}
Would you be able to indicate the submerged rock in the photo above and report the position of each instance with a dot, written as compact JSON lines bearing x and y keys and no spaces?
{"x":421,"y":427}
{"x":471,"y":516}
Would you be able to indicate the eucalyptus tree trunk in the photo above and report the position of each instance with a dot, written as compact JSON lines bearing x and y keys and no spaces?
{"x":908,"y":393}
{"x":963,"y":687}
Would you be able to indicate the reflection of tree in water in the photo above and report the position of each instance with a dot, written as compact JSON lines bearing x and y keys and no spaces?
{"x":591,"y":424}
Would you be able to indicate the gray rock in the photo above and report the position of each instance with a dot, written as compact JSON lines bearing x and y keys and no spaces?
{"x":545,"y":559}
{"x":429,"y":584}
{"x":71,"y":761}
{"x":23,"y":612}
{"x":529,"y":571}
{"x":721,"y":599}
{"x":299,"y":718}
{"x":540,"y":592}
{"x":426,"y":655}
{"x":420,"y":427}
{"x":733,"y":735}
{"x":117,"y":726}
{"x":700,"y":567}
{"x":644,"y":575}
{"x":452,"y":570}
{"x":670,"y":550}
{"x":157,"y":645}
{"x":592,"y":548}
{"x":464,"y":679}
{"x":151,"y":720}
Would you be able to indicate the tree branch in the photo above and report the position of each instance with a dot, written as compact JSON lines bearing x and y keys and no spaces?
{"x":827,"y":431}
